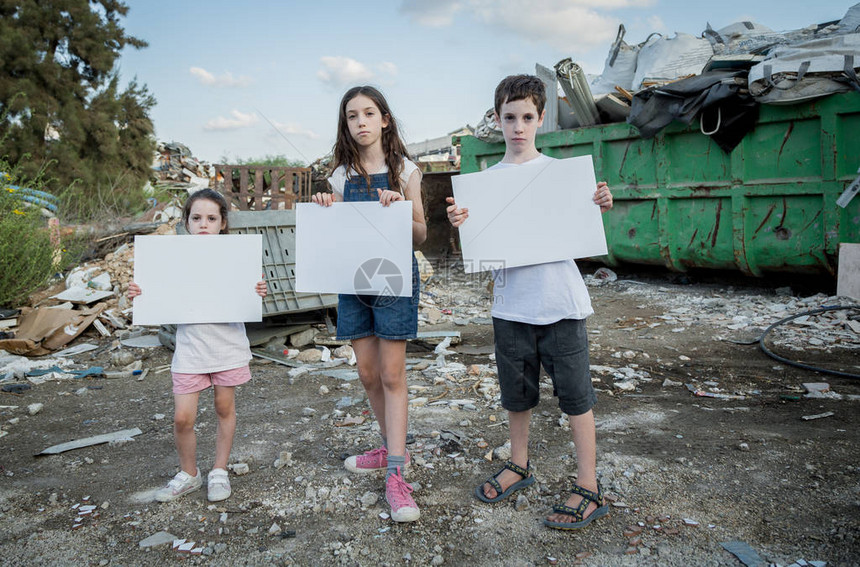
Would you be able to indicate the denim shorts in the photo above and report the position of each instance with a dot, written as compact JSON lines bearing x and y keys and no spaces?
{"x":562,"y":349}
{"x":388,"y":318}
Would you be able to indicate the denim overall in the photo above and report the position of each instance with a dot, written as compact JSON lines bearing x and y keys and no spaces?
{"x":365,"y":315}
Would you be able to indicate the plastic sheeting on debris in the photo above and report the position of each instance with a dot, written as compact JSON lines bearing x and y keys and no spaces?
{"x":850,"y":22}
{"x":736,"y":32}
{"x":807,"y":70}
{"x":17,"y":367}
{"x":619,"y":68}
{"x":666,"y":59}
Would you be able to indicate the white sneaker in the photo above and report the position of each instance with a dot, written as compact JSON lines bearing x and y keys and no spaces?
{"x":180,"y":485}
{"x":219,"y":485}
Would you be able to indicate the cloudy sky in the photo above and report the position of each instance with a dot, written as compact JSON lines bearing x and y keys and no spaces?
{"x":256,"y":78}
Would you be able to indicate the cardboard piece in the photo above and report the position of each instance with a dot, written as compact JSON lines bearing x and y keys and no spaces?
{"x":529,"y":214}
{"x":357,"y":248}
{"x":44,"y":330}
{"x":197,"y":279}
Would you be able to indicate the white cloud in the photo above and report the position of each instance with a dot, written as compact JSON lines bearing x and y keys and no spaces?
{"x":387,"y":68}
{"x":567,"y":25}
{"x":239,"y":120}
{"x":225,"y":80}
{"x":295,"y":129}
{"x":341,"y":71}
{"x":432,"y":13}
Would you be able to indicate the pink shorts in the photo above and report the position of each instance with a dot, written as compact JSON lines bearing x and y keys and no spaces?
{"x":190,"y":383}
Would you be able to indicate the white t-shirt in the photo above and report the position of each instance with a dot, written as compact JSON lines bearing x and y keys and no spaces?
{"x":338,"y":177}
{"x":202,"y":348}
{"x":542,"y":293}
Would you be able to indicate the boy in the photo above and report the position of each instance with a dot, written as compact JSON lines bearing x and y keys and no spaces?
{"x":539,"y":316}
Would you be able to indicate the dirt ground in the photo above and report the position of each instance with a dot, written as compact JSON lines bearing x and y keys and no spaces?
{"x":685,"y":473}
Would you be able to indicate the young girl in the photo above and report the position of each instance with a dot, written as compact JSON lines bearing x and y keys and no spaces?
{"x":206,"y":354}
{"x":371,"y":164}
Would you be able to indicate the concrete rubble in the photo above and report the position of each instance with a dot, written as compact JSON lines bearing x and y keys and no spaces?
{"x":174,"y":162}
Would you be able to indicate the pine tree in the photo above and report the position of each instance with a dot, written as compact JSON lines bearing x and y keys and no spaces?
{"x":61,"y":105}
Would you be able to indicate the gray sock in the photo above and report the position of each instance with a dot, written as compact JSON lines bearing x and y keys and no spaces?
{"x":395,"y":462}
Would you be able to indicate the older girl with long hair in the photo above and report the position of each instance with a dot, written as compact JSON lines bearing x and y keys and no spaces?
{"x":371,"y":164}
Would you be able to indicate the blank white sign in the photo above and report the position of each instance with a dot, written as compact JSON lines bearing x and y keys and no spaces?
{"x":198,"y":278}
{"x":529,"y":214}
{"x":356,"y":247}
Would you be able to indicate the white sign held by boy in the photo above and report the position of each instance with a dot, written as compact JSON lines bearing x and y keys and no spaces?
{"x":527,"y":215}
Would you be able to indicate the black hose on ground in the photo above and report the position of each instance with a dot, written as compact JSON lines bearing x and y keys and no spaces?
{"x":784,"y":360}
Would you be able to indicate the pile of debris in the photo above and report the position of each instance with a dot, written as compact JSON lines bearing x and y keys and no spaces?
{"x":174,"y":165}
{"x":321,"y":170}
{"x":179,"y":173}
{"x":93,"y":294}
{"x":732,"y":69}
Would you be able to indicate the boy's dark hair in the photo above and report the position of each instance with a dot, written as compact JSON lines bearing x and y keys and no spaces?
{"x":211,"y":195}
{"x":520,"y":87}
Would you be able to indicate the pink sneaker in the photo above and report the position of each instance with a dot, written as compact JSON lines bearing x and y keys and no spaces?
{"x":371,"y":461}
{"x":398,"y":494}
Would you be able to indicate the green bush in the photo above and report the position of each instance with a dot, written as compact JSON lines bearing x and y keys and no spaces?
{"x":27,"y":257}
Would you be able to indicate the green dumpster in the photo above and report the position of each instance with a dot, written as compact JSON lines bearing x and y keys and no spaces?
{"x":681,"y":202}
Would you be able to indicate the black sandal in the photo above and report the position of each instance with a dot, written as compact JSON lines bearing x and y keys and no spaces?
{"x":528,"y":479}
{"x":587,"y":497}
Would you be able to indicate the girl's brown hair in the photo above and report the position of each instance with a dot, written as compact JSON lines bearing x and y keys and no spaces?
{"x":345,"y":151}
{"x":213,"y":196}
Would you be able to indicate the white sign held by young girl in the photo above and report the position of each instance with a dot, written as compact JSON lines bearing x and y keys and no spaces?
{"x":360,"y":248}
{"x":197,"y":279}
{"x":529,"y":214}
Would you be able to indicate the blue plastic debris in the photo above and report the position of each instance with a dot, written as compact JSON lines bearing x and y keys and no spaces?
{"x":744,"y":552}
{"x":93,"y":371}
